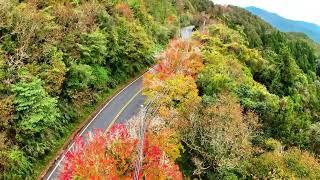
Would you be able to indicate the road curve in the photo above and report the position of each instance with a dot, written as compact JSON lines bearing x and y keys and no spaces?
{"x":119,"y":109}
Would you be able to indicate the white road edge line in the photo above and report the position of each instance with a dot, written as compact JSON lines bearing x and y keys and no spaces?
{"x":57,"y":165}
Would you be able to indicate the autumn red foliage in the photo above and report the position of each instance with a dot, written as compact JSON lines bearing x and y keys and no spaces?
{"x":180,"y":58}
{"x":113,"y":155}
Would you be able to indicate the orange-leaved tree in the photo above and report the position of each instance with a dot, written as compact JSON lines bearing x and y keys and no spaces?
{"x":180,"y":57}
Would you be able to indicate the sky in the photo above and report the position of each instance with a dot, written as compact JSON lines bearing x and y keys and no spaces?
{"x":303,"y":10}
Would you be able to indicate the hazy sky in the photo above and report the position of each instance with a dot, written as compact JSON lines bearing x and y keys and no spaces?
{"x":305,"y":10}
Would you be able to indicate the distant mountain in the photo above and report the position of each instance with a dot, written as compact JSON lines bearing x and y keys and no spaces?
{"x":287,"y":25}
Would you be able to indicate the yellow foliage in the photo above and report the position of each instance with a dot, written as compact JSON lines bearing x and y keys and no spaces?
{"x":181,"y":92}
{"x":168,"y":140}
{"x":177,"y":91}
{"x":164,"y":112}
{"x":292,"y":164}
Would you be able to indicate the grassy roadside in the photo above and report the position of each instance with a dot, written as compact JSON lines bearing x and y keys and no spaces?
{"x":41,"y":167}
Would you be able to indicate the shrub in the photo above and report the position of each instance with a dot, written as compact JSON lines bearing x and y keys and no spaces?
{"x":302,"y":164}
{"x":268,"y":165}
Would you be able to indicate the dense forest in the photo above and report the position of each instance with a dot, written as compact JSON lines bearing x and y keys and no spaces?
{"x":240,"y":100}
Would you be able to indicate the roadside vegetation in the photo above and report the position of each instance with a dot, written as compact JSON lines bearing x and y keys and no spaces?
{"x":240,"y":100}
{"x":238,"y":112}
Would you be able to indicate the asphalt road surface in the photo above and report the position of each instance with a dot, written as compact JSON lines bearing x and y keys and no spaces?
{"x":119,"y":109}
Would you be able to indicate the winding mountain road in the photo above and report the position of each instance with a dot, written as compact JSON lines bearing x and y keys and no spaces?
{"x":120,"y":108}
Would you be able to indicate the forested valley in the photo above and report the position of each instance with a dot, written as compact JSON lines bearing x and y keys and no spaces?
{"x":239,"y":100}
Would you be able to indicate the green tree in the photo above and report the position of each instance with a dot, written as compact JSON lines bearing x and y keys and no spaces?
{"x":286,"y":77}
{"x":36,"y":116}
{"x":304,"y":56}
{"x":93,"y":48}
{"x":54,"y":76}
{"x":100,"y":77}
{"x":79,"y":77}
{"x":130,"y":49}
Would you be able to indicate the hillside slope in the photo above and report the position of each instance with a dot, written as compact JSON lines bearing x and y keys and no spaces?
{"x":240,"y":100}
{"x":287,"y":25}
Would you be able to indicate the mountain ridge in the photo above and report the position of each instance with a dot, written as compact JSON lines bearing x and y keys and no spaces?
{"x":287,"y":25}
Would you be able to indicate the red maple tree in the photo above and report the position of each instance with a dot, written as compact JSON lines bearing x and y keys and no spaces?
{"x":113,"y":155}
